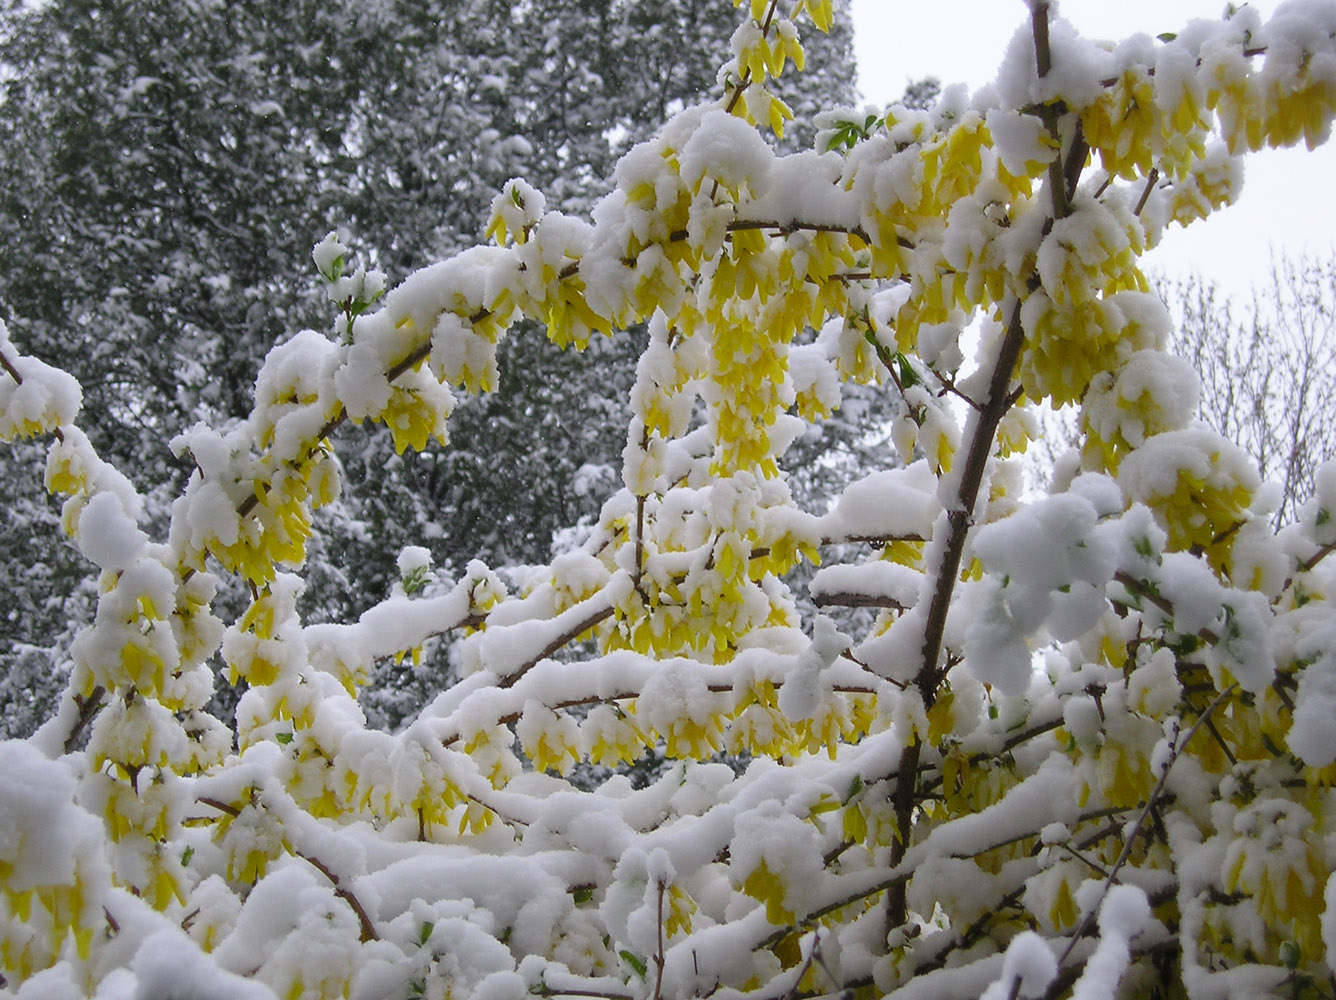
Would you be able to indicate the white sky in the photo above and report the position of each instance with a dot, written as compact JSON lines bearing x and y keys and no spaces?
{"x":1289,"y":196}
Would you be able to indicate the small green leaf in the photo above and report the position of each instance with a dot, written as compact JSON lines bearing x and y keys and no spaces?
{"x":1323,"y":516}
{"x":908,"y":377}
{"x":1167,"y":36}
{"x":284,"y":738}
{"x":855,"y":787}
{"x":187,"y":854}
{"x":583,"y":895}
{"x":634,"y":962}
{"x":424,"y":932}
{"x":416,"y":579}
{"x":1289,"y":954}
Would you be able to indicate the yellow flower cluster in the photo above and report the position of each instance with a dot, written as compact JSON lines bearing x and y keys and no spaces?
{"x":34,"y":397}
{"x":1068,"y":345}
{"x":610,"y":735}
{"x":550,"y":740}
{"x":414,"y":416}
{"x":35,"y":922}
{"x":1199,"y":486}
{"x":749,"y":374}
{"x":766,"y":55}
{"x":768,"y":887}
{"x":1152,"y":394}
{"x":1276,"y":859}
{"x":1271,"y":108}
{"x":273,"y":529}
{"x":1132,"y":133}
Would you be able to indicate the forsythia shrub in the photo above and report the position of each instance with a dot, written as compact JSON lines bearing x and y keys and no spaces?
{"x":1085,"y":748}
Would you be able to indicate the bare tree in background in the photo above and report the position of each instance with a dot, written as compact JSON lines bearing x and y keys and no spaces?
{"x":1268,"y":368}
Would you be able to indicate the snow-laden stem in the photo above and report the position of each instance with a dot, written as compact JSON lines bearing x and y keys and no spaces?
{"x":1176,"y":749}
{"x":1000,"y":399}
{"x":1064,"y":174}
{"x":8,"y":366}
{"x":367,"y":929}
{"x":740,"y":87}
{"x":88,"y":708}
{"x":658,"y":954}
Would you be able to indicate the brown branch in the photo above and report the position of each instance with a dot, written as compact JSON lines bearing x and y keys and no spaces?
{"x":88,"y":709}
{"x":852,"y":600}
{"x":1152,"y":179}
{"x":343,"y":892}
{"x":510,"y":718}
{"x":543,"y":990}
{"x":8,"y":366}
{"x":960,"y":517}
{"x":876,"y":540}
{"x":1076,"y":160}
{"x":222,"y":807}
{"x":949,"y":385}
{"x":584,"y":625}
{"x":1142,"y":592}
{"x":1308,"y":564}
{"x":658,"y":956}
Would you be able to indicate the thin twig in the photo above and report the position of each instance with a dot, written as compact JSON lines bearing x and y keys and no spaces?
{"x":1175,"y":752}
{"x":1152,"y":179}
{"x":343,"y":892}
{"x":658,"y":955}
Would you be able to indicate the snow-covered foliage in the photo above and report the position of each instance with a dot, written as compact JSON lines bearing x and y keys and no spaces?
{"x":1081,"y":749}
{"x":156,"y":160}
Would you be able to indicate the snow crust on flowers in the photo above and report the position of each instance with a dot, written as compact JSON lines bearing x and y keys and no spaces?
{"x":1122,"y":916}
{"x":46,"y":398}
{"x":802,"y":692}
{"x":1312,"y":737}
{"x":327,"y":859}
{"x":725,"y":149}
{"x":42,"y":832}
{"x":1048,"y":565}
{"x":108,"y":535}
{"x":165,"y":965}
{"x":1029,"y":959}
{"x":894,"y":502}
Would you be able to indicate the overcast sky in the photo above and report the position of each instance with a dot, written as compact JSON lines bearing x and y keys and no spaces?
{"x":1289,"y":197}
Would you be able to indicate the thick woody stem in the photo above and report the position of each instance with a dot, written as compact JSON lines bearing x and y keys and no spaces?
{"x":1062,"y":174}
{"x":88,"y":709}
{"x":905,"y":797}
